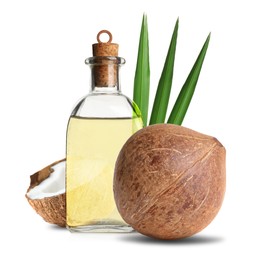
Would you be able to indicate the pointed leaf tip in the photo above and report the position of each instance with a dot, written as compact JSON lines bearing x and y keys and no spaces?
{"x":142,"y":73}
{"x":164,"y":86}
{"x":184,"y":98}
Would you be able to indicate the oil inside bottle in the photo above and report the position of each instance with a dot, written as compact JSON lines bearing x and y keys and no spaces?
{"x":92,"y":149}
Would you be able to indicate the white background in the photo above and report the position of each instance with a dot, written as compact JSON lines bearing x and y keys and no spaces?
{"x":42,"y":74}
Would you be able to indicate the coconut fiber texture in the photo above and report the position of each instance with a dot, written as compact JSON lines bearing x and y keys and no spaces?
{"x":51,"y":209}
{"x":169,"y":181}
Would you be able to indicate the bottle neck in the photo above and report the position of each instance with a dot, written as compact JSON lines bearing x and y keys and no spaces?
{"x":105,"y":77}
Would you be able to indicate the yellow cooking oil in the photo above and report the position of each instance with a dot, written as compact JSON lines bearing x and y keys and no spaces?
{"x":92,"y":149}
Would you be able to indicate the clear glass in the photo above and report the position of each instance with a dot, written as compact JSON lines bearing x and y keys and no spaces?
{"x":98,"y":128}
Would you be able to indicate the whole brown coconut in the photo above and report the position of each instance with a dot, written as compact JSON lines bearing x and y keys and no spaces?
{"x":169,"y":181}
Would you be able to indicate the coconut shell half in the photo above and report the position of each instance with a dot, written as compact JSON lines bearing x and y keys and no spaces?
{"x":52,"y":209}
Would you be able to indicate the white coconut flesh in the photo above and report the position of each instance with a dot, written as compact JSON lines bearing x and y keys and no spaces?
{"x":52,"y":186}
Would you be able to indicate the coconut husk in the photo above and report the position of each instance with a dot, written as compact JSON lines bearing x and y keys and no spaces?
{"x":170,"y":181}
{"x":51,"y":209}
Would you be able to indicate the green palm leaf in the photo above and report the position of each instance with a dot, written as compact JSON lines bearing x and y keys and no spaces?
{"x":164,"y":87}
{"x":142,"y":73}
{"x":183,"y":101}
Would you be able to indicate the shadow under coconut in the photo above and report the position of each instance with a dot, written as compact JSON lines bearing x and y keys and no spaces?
{"x":57,"y":228}
{"x":196,"y":239}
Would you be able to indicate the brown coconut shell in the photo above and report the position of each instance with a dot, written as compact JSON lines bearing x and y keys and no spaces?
{"x":51,"y":209}
{"x":169,"y":181}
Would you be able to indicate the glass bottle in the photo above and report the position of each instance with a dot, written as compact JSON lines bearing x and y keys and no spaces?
{"x":98,"y":128}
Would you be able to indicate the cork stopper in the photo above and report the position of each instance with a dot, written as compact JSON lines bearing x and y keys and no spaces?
{"x":106,"y":66}
{"x":105,"y":48}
